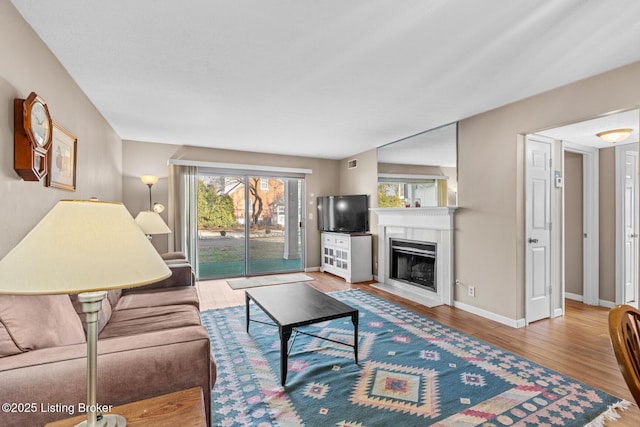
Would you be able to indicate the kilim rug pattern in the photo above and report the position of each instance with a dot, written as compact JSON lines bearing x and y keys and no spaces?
{"x":413,"y":372}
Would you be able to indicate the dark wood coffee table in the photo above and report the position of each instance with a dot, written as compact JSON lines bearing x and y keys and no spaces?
{"x":298,"y":304}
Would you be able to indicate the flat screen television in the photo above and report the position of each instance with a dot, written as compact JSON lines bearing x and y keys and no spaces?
{"x":343,"y":214}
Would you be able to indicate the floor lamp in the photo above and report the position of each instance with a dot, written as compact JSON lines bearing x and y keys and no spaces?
{"x":90,"y":247}
{"x":149,"y":180}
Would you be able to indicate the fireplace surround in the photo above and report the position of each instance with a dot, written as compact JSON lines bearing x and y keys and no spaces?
{"x":429,"y":228}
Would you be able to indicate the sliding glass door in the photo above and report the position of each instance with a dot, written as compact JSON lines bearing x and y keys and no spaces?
{"x":249,"y":225}
{"x":275,"y":237}
{"x":221,"y":232}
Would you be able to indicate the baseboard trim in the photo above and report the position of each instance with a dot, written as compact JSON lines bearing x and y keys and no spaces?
{"x":607,"y":304}
{"x":574,"y":297}
{"x":514,"y":323}
{"x":309,"y":269}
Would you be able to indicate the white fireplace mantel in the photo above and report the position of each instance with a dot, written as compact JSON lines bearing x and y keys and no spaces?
{"x":431,"y":224}
{"x":437,"y":218}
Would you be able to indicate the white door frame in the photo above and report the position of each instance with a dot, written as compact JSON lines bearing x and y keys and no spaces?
{"x":620,"y":152}
{"x":590,"y":218}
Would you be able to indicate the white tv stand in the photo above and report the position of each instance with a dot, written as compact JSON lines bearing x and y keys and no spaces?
{"x":347,"y":256}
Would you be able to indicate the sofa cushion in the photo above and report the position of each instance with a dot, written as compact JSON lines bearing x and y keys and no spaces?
{"x":157,"y":298}
{"x":7,"y":346}
{"x":142,"y":320}
{"x":113,"y":296}
{"x":181,"y":275}
{"x":103,"y":315}
{"x":38,"y":321}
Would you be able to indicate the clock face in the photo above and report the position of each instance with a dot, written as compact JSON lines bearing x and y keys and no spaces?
{"x":40,"y":123}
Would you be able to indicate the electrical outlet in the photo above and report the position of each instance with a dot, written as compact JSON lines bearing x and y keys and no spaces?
{"x":472,"y":291}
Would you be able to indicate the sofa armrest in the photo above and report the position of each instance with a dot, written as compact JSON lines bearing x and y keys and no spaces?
{"x":130,"y":368}
{"x":173,"y":256}
{"x":181,"y":275}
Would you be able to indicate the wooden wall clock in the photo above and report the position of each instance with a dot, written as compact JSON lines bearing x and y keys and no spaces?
{"x":32,"y":137}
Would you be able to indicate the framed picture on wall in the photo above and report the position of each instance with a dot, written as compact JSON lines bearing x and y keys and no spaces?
{"x":62,"y":159}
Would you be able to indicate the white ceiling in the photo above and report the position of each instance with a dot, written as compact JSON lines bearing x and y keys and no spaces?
{"x":327,"y":78}
{"x":584,"y":133}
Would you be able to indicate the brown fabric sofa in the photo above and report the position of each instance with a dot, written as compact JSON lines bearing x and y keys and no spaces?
{"x":151,"y":342}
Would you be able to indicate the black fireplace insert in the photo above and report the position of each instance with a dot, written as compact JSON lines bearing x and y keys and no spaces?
{"x":414,"y":262}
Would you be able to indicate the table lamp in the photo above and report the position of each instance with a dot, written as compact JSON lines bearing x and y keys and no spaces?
{"x":89,"y":247}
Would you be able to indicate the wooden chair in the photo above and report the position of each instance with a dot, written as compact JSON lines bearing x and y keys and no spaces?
{"x":624,"y":331}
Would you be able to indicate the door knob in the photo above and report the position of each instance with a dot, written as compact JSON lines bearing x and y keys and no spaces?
{"x":533,"y":240}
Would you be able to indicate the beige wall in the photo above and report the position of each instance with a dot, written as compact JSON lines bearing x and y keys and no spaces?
{"x":149,"y":158}
{"x":364,"y":180}
{"x":490,"y":226}
{"x":27,"y":65}
{"x":573,"y":231}
{"x":607,"y":216}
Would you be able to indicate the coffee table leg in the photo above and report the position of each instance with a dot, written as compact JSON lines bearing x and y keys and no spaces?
{"x":285,"y":334}
{"x":354,"y":320}
{"x":246,"y":305}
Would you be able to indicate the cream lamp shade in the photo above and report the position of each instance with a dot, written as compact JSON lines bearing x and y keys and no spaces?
{"x":149,"y":179}
{"x":151,"y":223}
{"x":81,"y":246}
{"x":615,"y":135}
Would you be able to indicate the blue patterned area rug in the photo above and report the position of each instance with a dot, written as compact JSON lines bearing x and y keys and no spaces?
{"x":413,"y":371}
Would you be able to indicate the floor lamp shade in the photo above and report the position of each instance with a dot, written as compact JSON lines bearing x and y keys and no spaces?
{"x":81,"y":246}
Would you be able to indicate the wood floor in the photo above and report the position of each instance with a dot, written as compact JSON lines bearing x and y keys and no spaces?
{"x":576,"y":345}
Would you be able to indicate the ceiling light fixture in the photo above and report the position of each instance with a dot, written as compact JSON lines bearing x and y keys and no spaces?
{"x":615,"y":135}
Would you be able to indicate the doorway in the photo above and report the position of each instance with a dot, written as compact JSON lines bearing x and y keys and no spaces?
{"x":606,"y":273}
{"x":574,"y":225}
{"x":249,"y":224}
{"x":580,"y":222}
{"x":580,"y":240}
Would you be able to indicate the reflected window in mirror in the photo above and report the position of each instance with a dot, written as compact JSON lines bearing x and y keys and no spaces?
{"x":395,"y":191}
{"x":421,"y":168}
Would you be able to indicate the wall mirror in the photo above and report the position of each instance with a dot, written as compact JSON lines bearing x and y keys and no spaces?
{"x":420,"y":170}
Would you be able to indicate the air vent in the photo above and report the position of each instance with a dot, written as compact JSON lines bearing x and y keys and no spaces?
{"x":352,"y":164}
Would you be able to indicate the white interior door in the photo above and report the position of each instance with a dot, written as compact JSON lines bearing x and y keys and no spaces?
{"x":538,"y":227}
{"x":630,"y":226}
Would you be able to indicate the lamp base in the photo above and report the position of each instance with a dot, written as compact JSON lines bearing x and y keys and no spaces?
{"x":109,"y":420}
